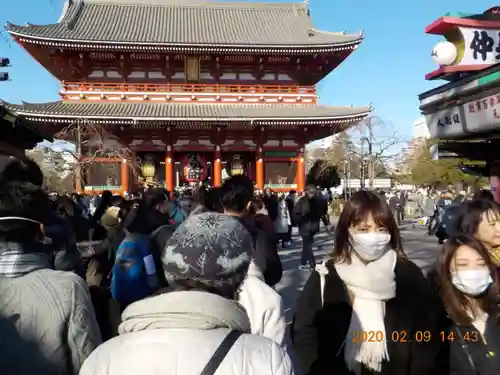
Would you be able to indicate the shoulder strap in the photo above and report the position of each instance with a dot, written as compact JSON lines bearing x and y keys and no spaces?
{"x":221,"y":352}
{"x":323,"y":271}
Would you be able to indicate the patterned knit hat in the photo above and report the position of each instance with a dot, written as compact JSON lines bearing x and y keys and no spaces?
{"x":211,"y":248}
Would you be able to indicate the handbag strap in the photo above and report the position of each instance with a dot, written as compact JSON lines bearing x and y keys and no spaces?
{"x":322,"y":271}
{"x":221,"y":352}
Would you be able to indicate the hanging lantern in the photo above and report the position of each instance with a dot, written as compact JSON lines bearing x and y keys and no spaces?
{"x":195,"y":168}
{"x":236,"y":166}
{"x":148,"y":169}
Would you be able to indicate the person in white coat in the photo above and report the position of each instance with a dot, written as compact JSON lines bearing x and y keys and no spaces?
{"x":178,"y":331}
{"x":264,"y":306}
{"x":283,"y":221}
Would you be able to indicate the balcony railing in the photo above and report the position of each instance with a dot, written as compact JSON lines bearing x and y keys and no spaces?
{"x":188,"y":92}
{"x":188,"y":88}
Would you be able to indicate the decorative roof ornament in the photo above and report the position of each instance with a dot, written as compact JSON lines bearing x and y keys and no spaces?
{"x":308,"y":10}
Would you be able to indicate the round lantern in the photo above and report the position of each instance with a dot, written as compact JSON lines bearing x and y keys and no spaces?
{"x":236,"y":166}
{"x":195,"y":168}
{"x":148,"y":169}
{"x":444,"y":53}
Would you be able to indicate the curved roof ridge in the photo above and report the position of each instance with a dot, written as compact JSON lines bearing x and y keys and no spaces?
{"x":211,"y":3}
{"x":218,"y":24}
{"x":72,"y":109}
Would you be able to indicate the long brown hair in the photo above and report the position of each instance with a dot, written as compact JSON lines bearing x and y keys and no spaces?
{"x":455,"y":302}
{"x":357,"y":209}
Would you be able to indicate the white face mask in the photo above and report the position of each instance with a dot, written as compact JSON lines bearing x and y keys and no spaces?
{"x":472,"y":282}
{"x":370,"y":246}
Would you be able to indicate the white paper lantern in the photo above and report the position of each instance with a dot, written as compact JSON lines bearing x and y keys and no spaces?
{"x":444,"y":53}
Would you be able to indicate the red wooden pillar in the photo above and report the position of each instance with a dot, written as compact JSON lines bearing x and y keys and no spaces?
{"x":124,"y":176}
{"x":259,"y":170}
{"x":301,"y":172}
{"x":169,"y":169}
{"x":217,"y":169}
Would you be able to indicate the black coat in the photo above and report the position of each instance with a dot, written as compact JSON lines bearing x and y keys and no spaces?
{"x":307,"y":214}
{"x":266,"y":255}
{"x":319,"y":331}
{"x":468,"y":353}
{"x":271,"y":203}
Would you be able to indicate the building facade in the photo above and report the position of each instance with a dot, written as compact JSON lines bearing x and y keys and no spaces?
{"x":465,"y":112}
{"x":200,"y":90}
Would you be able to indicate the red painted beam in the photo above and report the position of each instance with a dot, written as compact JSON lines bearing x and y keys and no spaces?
{"x":444,"y":70}
{"x":442,"y":24}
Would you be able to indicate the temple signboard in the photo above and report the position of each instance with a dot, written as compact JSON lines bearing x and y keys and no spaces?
{"x":445,"y":123}
{"x":471,"y":43}
{"x":480,"y":46}
{"x":483,"y":114}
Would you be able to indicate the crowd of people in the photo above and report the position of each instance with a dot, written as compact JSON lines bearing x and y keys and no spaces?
{"x":142,"y":285}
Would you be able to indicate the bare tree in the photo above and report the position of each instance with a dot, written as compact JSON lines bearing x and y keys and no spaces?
{"x":380,"y":144}
{"x":366,"y":150}
{"x":91,"y":141}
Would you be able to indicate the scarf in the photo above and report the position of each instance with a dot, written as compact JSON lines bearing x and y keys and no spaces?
{"x":495,"y":255}
{"x":372,"y":285}
{"x":20,"y":259}
{"x":186,"y":309}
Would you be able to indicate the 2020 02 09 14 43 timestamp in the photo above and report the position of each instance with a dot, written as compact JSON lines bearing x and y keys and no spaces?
{"x":402,"y":336}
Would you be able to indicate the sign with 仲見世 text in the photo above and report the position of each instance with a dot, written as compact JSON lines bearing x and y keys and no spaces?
{"x":480,"y":46}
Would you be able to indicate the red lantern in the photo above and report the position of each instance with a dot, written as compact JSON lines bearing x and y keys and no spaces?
{"x":187,"y":169}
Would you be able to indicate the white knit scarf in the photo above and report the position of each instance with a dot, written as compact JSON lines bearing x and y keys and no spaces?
{"x":186,"y":309}
{"x":372,"y":285}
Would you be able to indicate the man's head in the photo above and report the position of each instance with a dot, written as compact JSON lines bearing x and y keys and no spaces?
{"x":158,"y":199}
{"x":311,"y":191}
{"x":236,"y":194}
{"x":24,"y":205}
{"x":20,"y":169}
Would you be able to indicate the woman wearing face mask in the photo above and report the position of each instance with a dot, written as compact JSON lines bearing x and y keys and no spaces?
{"x":468,"y":285}
{"x":480,"y":218}
{"x":368,"y":309}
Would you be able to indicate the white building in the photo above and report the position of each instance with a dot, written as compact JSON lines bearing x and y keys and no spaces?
{"x":420,"y":129}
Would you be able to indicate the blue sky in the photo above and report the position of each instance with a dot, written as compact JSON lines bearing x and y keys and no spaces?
{"x":387,"y":70}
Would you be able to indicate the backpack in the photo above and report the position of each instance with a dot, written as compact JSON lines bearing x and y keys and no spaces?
{"x":133,"y":276}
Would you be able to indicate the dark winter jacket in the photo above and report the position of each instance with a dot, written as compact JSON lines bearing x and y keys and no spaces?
{"x":266,"y":253}
{"x":271,"y":203}
{"x":307,"y":214}
{"x":469,"y":352}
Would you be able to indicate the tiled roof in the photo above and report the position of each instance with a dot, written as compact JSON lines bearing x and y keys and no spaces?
{"x":10,"y":117}
{"x":189,"y":112}
{"x":188,"y":23}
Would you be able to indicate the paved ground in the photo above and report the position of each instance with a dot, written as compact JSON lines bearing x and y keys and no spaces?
{"x":420,"y":248}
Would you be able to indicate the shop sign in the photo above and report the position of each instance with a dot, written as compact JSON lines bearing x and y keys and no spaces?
{"x":445,"y":123}
{"x":480,"y":46}
{"x":483,"y":114}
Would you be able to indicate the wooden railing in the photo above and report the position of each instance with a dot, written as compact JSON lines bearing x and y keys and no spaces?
{"x":187,"y":88}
